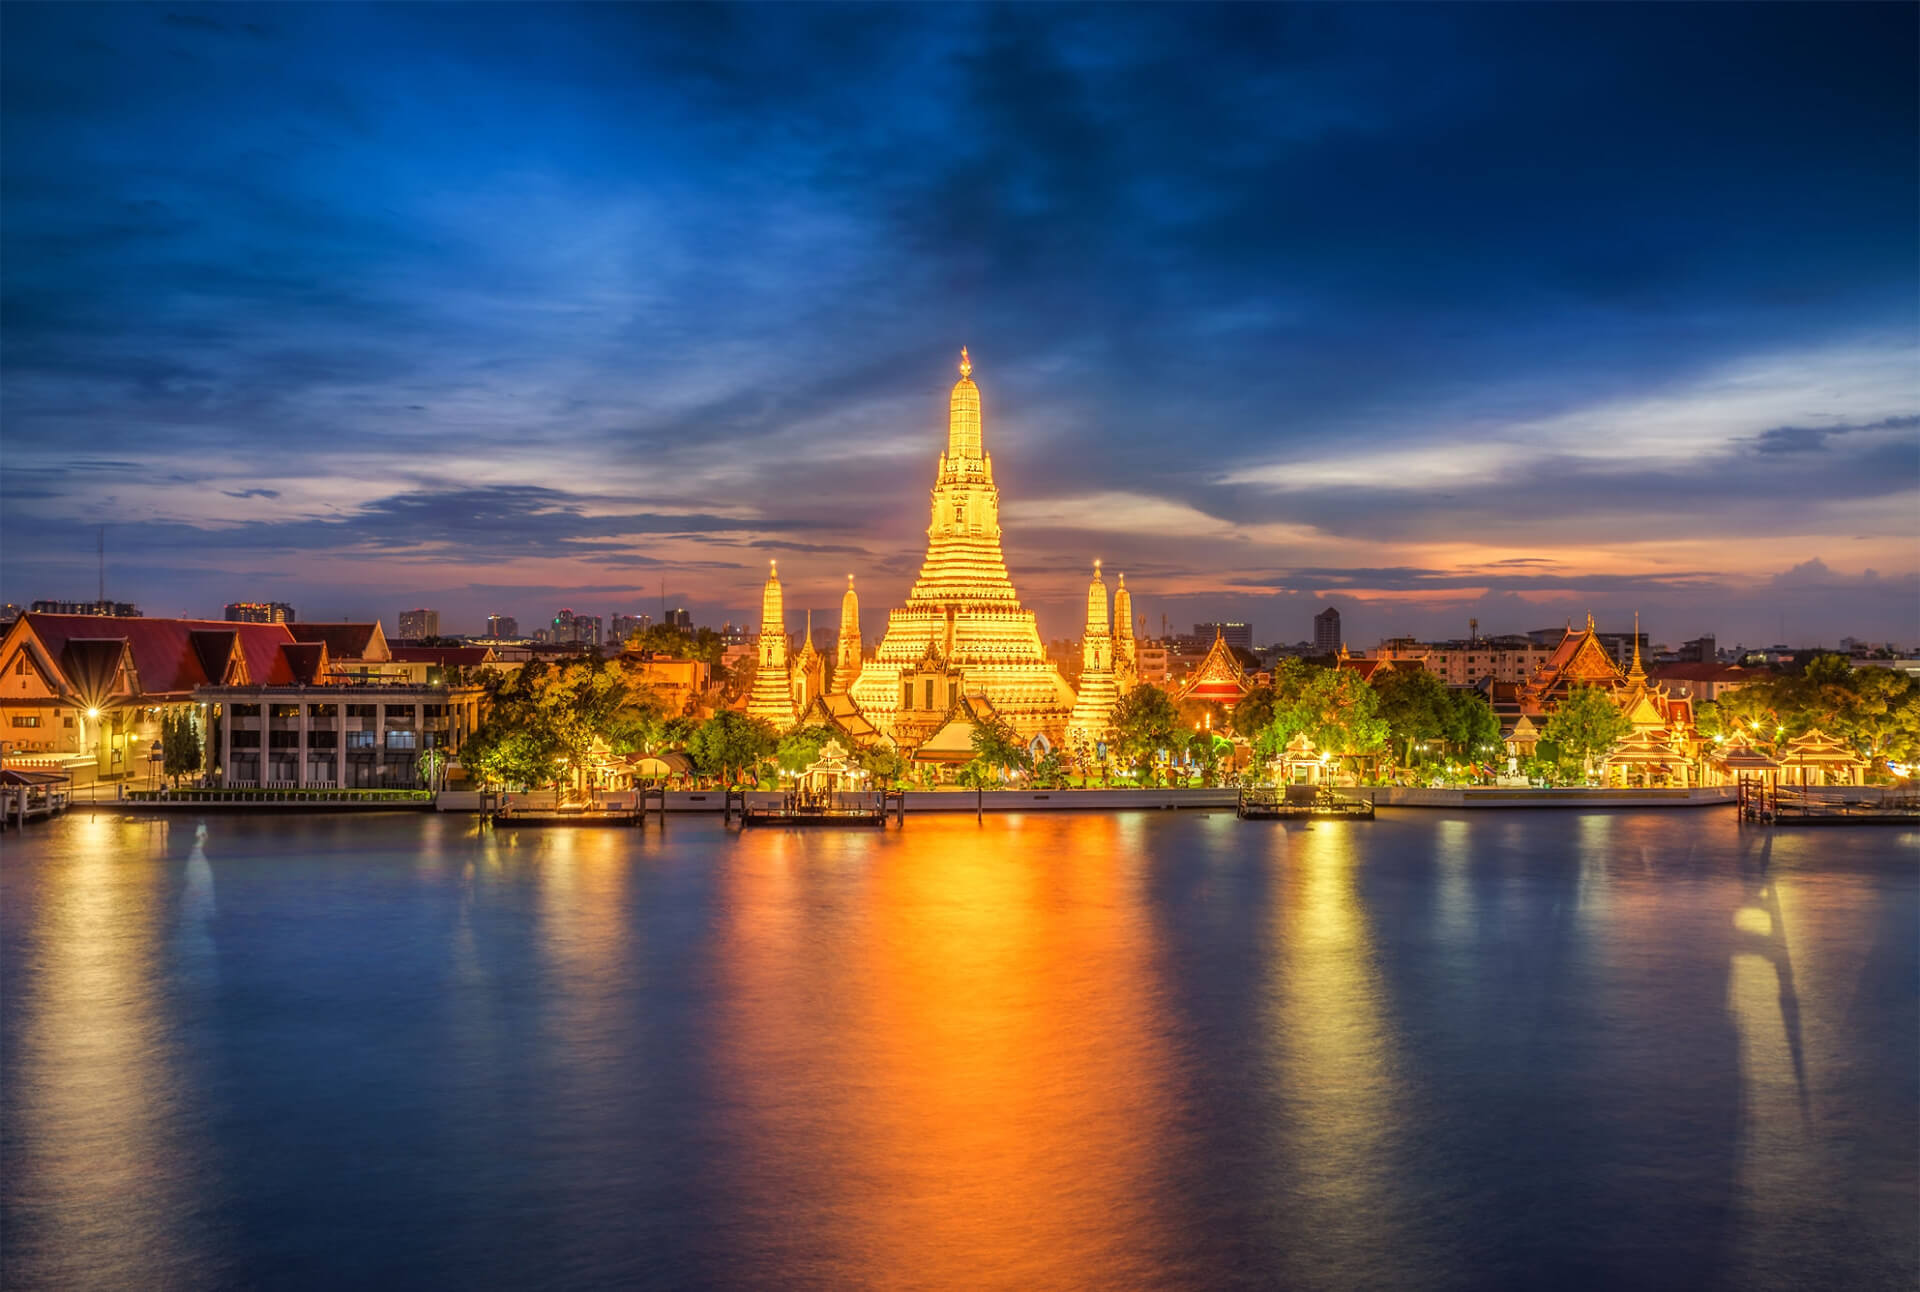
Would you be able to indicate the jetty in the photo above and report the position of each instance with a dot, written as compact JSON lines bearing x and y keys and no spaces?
{"x":1300,"y":802}
{"x":1764,"y":803}
{"x":27,"y":795}
{"x":798,"y":808}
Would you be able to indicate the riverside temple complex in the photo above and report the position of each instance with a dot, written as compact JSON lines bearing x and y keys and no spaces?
{"x":963,"y":643}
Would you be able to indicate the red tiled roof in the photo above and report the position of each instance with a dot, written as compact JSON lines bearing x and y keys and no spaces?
{"x":304,"y":660}
{"x":166,"y":660}
{"x":344,"y":641}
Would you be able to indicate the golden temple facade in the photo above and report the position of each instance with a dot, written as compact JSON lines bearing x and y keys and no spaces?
{"x":1099,"y":687}
{"x":772,"y":694}
{"x":963,"y":620}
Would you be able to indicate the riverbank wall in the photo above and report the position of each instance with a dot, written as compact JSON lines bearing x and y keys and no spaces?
{"x":1152,"y":800}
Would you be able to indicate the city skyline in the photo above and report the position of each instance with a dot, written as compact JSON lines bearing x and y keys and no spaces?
{"x":1447,"y":315}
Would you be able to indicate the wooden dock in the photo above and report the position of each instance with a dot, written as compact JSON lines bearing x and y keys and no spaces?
{"x":855,"y":809}
{"x":1300,"y":802}
{"x":1828,"y":805}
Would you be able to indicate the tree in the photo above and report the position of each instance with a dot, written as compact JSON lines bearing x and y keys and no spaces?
{"x":431,"y":764}
{"x":1585,"y":726}
{"x":507,"y":755}
{"x":800,"y":748}
{"x":1050,"y":771}
{"x":180,"y":748}
{"x":999,"y":748}
{"x":730,"y":743}
{"x":1472,"y":726}
{"x":1145,"y":721}
{"x":884,"y":765}
{"x":1415,"y":706}
{"x":1206,"y":750}
{"x":1254,"y":712}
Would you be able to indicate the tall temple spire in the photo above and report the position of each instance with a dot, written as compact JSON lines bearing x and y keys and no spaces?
{"x":1092,"y":714}
{"x":772,"y":695}
{"x":1636,"y":674}
{"x":1126,"y":660}
{"x":847,"y":655}
{"x":964,"y":450}
{"x":965,"y":604}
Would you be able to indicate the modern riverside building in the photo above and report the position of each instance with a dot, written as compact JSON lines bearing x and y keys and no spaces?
{"x":963,"y":629}
{"x":499,"y":626}
{"x":332,"y":735}
{"x":1513,"y":658}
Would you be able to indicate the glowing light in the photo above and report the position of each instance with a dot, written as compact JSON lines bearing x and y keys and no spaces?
{"x":93,"y":713}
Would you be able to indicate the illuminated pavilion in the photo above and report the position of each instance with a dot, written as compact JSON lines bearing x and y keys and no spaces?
{"x":963,"y":630}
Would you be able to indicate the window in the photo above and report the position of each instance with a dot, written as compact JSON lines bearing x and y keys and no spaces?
{"x":929,"y":693}
{"x":399,"y":740}
{"x":244,"y":710}
{"x":23,"y":667}
{"x":323,"y":739}
{"x":22,"y":720}
{"x":246,"y":739}
{"x":319,"y":711}
{"x":363,"y":711}
{"x":283,"y":740}
{"x":906,"y":695}
{"x":66,"y":722}
{"x":286,"y":711}
{"x":360,"y":740}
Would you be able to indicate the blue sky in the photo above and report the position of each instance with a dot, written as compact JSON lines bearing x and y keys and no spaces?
{"x":1428,"y":312}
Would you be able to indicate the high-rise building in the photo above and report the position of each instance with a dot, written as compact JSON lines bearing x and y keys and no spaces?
{"x":1237,"y":635}
{"x":109,"y":609}
{"x":963,"y":630}
{"x":502,"y":626}
{"x":260,"y":612}
{"x":1326,"y":632}
{"x":680,"y":619}
{"x":418,"y":624}
{"x":622,"y":627}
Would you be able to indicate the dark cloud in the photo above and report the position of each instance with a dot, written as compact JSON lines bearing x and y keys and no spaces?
{"x":719,"y":250}
{"x":1811,"y":439}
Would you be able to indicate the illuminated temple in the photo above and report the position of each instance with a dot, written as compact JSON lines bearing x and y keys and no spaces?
{"x":963,"y":631}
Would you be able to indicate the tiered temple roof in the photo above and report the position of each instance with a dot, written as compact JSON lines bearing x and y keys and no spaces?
{"x":772,"y":694}
{"x":963,"y":606}
{"x":1219,"y":678}
{"x":1099,"y":688}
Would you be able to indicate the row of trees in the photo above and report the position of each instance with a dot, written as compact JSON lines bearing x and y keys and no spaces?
{"x":552,"y":720}
{"x":1876,"y":710}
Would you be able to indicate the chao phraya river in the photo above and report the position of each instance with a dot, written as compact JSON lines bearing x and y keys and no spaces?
{"x":1547,"y":1049}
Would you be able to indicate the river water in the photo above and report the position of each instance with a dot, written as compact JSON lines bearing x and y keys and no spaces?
{"x":1522,"y":1049}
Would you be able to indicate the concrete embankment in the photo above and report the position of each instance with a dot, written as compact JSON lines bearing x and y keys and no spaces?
{"x":923,"y":801}
{"x":1151,"y":800}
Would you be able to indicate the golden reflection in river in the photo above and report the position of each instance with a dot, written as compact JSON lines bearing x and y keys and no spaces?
{"x":98,"y":1121}
{"x":1338,"y":1097}
{"x":952,"y":1048}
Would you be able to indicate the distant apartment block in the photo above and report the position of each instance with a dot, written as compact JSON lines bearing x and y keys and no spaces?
{"x":625,"y":626}
{"x":681,"y":619}
{"x":259,"y":612}
{"x":570,"y":629}
{"x":1512,"y":658}
{"x":1326,"y":632}
{"x":499,"y":626}
{"x":1237,"y":635}
{"x":418,"y":624}
{"x":109,"y":609}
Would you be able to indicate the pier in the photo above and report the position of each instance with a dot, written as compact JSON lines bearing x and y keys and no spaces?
{"x":1765,"y":803}
{"x":1291,"y":802}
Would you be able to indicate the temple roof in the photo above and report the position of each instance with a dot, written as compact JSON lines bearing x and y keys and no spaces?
{"x":1219,"y":677}
{"x":1816,"y":746}
{"x":346,"y":642}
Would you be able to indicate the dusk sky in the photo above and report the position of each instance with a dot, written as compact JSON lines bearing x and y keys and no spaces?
{"x":1429,"y":312}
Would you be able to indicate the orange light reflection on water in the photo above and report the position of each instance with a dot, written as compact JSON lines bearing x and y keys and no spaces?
{"x":950,"y":1049}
